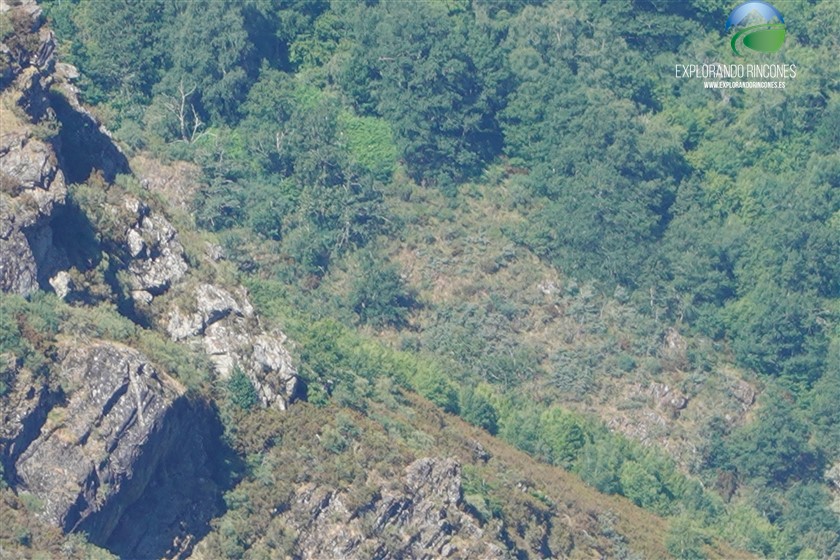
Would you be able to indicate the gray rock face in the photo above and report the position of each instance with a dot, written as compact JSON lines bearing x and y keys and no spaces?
{"x":668,"y":398}
{"x":744,"y":393}
{"x":213,"y":304}
{"x":87,"y":452}
{"x":124,"y":456}
{"x":31,"y":185}
{"x":437,"y":478}
{"x":231,"y":336}
{"x":426,"y":517}
{"x":13,"y":60}
{"x":226,"y":342}
{"x":24,"y":410}
{"x":271,"y":365}
{"x":29,"y":162}
{"x":157,"y":254}
{"x":63,"y":285}
{"x":832,"y":477}
{"x":18,"y":269}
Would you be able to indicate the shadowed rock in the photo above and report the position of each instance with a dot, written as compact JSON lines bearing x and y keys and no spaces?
{"x":127,"y":458}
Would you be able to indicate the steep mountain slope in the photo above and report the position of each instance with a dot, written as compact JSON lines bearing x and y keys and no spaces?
{"x":593,"y":353}
{"x":90,"y":426}
{"x":128,"y":349}
{"x":501,"y":232}
{"x":402,"y":479}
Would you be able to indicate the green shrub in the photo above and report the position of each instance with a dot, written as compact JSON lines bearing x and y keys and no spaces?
{"x":31,"y":502}
{"x":478,"y":411}
{"x":241,"y":391}
{"x":379,"y":296}
{"x":435,"y":386}
{"x":563,"y":435}
{"x":370,"y":143}
{"x":686,"y":539}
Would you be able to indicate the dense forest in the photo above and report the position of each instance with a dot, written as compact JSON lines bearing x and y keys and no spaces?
{"x":391,"y":180}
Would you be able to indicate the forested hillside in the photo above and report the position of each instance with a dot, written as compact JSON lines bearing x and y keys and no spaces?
{"x":510,"y":209}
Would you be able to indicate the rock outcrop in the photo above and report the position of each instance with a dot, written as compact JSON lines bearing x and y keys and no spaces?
{"x":832,"y":476}
{"x":31,"y":183}
{"x":85,"y":454}
{"x":46,"y":138}
{"x":88,"y":456}
{"x":107,"y":443}
{"x":24,"y":406}
{"x":156,"y":256}
{"x":425,"y":518}
{"x":228,"y":330}
{"x":142,"y":243}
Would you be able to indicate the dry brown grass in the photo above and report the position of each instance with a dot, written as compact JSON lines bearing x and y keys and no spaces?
{"x":576,"y":505}
{"x":447,"y":255}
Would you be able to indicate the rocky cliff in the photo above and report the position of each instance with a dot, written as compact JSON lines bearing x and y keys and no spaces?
{"x":93,"y":455}
{"x":85,"y":452}
{"x":421,"y":515}
{"x":103,"y":440}
{"x":47,"y":135}
{"x":31,"y":187}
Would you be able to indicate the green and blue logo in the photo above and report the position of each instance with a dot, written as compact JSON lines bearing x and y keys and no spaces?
{"x":758,"y":26}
